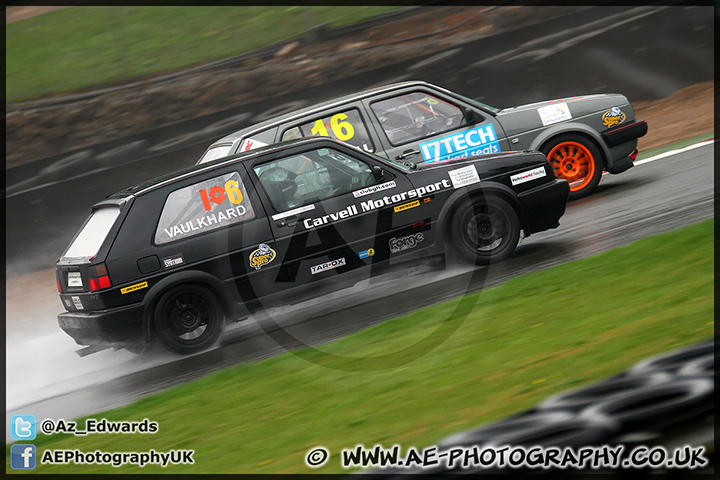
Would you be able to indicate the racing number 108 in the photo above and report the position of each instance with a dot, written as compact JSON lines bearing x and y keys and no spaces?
{"x":342,"y":130}
{"x":217,"y":194}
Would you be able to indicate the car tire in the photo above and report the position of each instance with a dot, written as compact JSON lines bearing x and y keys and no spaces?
{"x":577,"y":160}
{"x":188,"y":319}
{"x":485,"y":230}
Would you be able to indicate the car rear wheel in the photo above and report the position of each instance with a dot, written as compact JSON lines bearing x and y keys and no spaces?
{"x":485,"y":230}
{"x":577,"y":160}
{"x":188,"y":319}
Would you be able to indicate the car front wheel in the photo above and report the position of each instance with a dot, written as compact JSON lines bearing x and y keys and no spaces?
{"x":188,"y":319}
{"x":485,"y":230}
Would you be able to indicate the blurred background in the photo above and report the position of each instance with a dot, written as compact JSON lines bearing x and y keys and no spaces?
{"x":99,"y":98}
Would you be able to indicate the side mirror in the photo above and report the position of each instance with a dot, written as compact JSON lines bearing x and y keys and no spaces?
{"x":471,"y":116}
{"x":377,"y":173}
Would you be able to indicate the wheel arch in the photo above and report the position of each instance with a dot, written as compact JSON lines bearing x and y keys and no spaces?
{"x":487,"y":189}
{"x":574,"y":129}
{"x":185,"y":277}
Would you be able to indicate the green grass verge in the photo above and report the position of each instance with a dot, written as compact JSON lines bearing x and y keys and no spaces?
{"x":674,"y":146}
{"x":522,"y":341}
{"x":81,"y":47}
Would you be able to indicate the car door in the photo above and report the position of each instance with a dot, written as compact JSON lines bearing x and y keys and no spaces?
{"x":332,"y":211}
{"x":421,"y":125}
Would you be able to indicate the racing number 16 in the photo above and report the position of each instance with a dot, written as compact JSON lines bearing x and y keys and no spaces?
{"x":342,"y":130}
{"x":217,"y":194}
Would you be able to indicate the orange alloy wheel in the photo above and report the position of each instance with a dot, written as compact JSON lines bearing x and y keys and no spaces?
{"x":573,"y":162}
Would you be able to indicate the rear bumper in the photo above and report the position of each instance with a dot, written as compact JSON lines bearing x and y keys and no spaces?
{"x":122,"y":325}
{"x":544,"y":205}
{"x":618,"y":136}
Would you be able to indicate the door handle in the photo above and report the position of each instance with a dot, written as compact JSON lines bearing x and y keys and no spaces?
{"x":288,"y":221}
{"x":407,"y":153}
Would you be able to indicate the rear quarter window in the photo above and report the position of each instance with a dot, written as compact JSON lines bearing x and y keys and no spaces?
{"x":216,"y":152}
{"x":203,"y":207}
{"x":257,"y":140}
{"x":93,"y":233}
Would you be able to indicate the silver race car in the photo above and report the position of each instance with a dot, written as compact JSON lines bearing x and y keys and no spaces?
{"x":417,"y":122}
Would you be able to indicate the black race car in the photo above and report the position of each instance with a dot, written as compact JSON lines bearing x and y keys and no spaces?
{"x":175,"y":257}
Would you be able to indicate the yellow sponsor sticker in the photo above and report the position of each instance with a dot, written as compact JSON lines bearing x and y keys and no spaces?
{"x":406,"y":206}
{"x":262,"y":256}
{"x":613,"y":117}
{"x":132,"y":288}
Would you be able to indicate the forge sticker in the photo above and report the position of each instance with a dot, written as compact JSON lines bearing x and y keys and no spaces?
{"x":323,"y":267}
{"x":613,"y":117}
{"x":132,"y":288}
{"x":555,"y":113}
{"x":174,"y":261}
{"x":397,"y":245}
{"x":262,"y":256}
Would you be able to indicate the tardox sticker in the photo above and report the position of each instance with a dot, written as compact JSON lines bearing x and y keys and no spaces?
{"x":527,"y":176}
{"x":464,"y":176}
{"x":555,"y":113}
{"x":262,"y":256}
{"x":612,"y":117}
{"x":327,"y":266}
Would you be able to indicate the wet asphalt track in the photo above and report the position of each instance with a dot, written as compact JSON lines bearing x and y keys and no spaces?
{"x":653,"y":198}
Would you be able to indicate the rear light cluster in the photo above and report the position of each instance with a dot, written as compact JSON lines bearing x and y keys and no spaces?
{"x":99,"y":278}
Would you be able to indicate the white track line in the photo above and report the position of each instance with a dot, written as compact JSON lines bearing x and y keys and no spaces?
{"x":674,"y":152}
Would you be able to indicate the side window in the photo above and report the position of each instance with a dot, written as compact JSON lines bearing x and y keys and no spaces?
{"x":291,"y":134}
{"x":257,"y":140}
{"x":203,"y":207}
{"x":414,"y":116}
{"x":218,"y":151}
{"x":345,"y":126}
{"x":312,"y":176}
